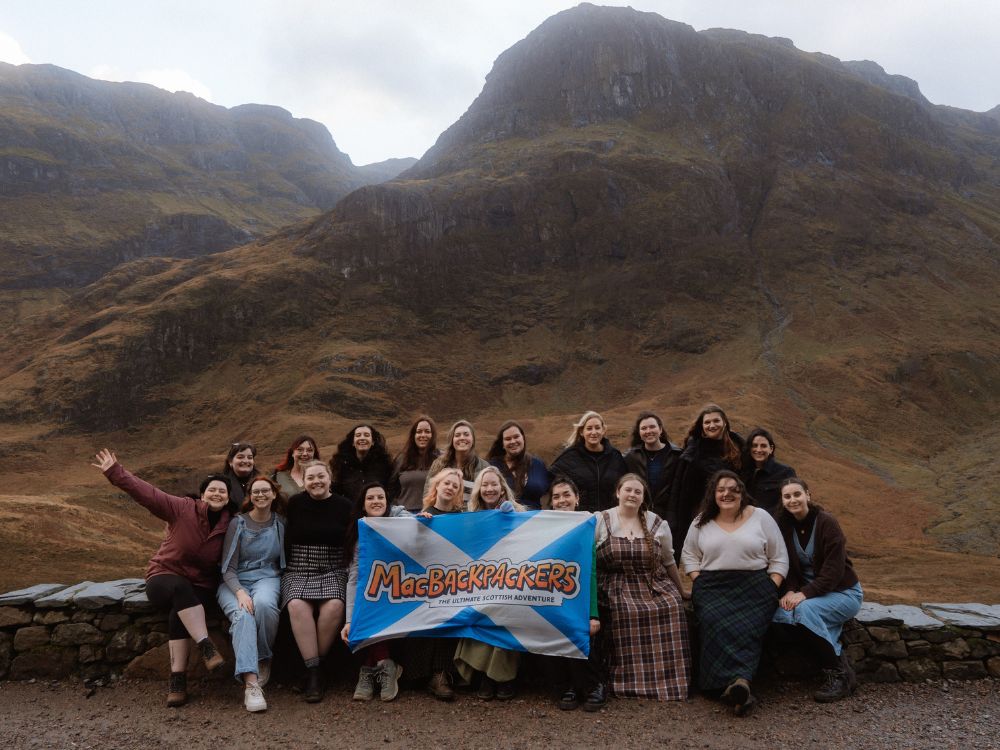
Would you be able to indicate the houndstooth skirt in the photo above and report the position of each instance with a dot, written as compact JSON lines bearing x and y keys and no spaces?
{"x":314,"y":572}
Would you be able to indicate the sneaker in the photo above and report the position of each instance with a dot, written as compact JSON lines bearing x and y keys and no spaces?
{"x":568,"y":701}
{"x":487,"y":689}
{"x":210,"y":654}
{"x":365,"y":689}
{"x":263,"y":672}
{"x":389,"y":673}
{"x":177,"y":694}
{"x":505,"y":690}
{"x":440,"y":687}
{"x":253,"y":698}
{"x":836,"y":686}
{"x":597,"y":699}
{"x":313,"y":692}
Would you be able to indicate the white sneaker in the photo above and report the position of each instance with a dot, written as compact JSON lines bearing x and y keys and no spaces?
{"x":263,"y":672}
{"x":253,"y":698}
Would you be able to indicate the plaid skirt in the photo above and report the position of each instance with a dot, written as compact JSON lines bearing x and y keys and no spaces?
{"x":314,"y":572}
{"x":734,"y":609}
{"x":646,"y":632}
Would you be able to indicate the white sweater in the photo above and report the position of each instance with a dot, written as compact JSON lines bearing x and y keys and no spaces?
{"x":755,"y":545}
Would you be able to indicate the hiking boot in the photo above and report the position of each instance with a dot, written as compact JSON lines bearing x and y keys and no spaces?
{"x":567,"y":701}
{"x":314,"y":685}
{"x":365,"y":689}
{"x":389,"y":672}
{"x":737,"y":692}
{"x":746,"y":707}
{"x":440,"y":687}
{"x":177,"y":693}
{"x":487,"y":689}
{"x":836,"y":686}
{"x":210,"y":654}
{"x":597,"y":699}
{"x":263,"y":672}
{"x":505,"y":690}
{"x":253,"y":698}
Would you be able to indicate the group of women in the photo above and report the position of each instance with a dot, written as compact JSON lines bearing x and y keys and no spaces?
{"x":743,"y":527}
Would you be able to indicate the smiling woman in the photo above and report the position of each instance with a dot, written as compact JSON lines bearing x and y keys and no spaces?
{"x":240,"y":467}
{"x":592,"y":462}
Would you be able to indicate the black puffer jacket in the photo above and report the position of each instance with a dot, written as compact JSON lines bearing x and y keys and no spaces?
{"x":699,"y":460}
{"x":764,"y":484}
{"x":637,"y":461}
{"x":595,"y":474}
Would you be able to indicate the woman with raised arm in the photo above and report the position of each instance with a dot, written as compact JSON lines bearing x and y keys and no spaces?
{"x":736,"y":557}
{"x":460,"y":454}
{"x":182,"y":576}
{"x":640,"y":594}
{"x":761,"y":473}
{"x":253,"y":557}
{"x":240,"y":466}
{"x":654,"y":458}
{"x":524,"y":473}
{"x":709,"y":446}
{"x":314,"y":585}
{"x":822,"y":591}
{"x":289,"y":473}
{"x":411,"y":467}
{"x":593,"y":464}
{"x":361,"y":457}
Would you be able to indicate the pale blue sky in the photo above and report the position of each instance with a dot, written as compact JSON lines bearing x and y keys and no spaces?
{"x":387,"y":76}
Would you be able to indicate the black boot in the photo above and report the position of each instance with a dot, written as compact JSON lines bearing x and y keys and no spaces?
{"x":836,"y":686}
{"x":314,"y":685}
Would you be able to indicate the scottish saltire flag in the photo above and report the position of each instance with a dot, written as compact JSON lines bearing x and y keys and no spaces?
{"x":514,"y":580}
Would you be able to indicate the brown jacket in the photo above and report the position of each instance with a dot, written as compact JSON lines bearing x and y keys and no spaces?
{"x":831,"y":564}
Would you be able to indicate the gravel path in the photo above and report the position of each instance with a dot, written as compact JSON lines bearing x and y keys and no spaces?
{"x":132,"y":714}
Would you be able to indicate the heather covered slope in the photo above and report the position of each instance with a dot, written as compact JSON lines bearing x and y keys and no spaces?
{"x":630,"y":215}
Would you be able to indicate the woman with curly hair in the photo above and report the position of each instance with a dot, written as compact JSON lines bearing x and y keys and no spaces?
{"x":361,"y":457}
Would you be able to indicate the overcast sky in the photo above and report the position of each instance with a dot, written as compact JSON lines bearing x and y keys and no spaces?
{"x":387,"y":76}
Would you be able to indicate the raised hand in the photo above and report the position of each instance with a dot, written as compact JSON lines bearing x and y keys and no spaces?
{"x":105,"y":459}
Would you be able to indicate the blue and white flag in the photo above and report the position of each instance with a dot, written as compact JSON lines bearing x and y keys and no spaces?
{"x":515,"y":580}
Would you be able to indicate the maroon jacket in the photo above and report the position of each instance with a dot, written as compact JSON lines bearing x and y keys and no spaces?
{"x":191,"y":549}
{"x":831,"y":564}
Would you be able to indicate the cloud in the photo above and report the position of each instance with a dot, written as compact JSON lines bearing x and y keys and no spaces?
{"x":169,"y":79}
{"x":11,"y":52}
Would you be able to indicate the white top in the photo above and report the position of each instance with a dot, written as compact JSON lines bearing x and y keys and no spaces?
{"x":755,"y":545}
{"x":661,"y":537}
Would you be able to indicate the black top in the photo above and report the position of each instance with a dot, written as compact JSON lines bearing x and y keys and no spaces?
{"x":595,"y":474}
{"x":352,"y":474}
{"x":764,"y":484}
{"x":437,"y":512}
{"x":320,"y":523}
{"x":638,"y":460}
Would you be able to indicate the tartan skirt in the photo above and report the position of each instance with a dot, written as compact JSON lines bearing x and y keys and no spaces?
{"x":646,"y":636}
{"x":734,"y":609}
{"x":314,"y":572}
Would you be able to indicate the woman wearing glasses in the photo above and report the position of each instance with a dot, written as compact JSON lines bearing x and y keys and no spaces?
{"x":253,"y":556}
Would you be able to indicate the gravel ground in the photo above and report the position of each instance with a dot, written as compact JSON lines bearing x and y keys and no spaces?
{"x":132,"y":714}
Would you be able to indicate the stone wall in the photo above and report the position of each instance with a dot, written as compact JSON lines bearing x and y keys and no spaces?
{"x":102,"y":631}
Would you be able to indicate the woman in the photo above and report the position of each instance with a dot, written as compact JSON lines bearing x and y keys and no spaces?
{"x":314,"y":585}
{"x":524,"y":473}
{"x":654,"y":458}
{"x":240,"y":468}
{"x":573,"y":678}
{"x":593,"y":464}
{"x":183,"y":574}
{"x":822,"y":591}
{"x":763,"y":475}
{"x":737,"y":560}
{"x":410,"y":469}
{"x":710,"y":446}
{"x":640,"y":596}
{"x":377,"y":665}
{"x":460,"y":454}
{"x":435,"y":657}
{"x":288,"y":474}
{"x":361,"y":457}
{"x":496,"y":667}
{"x":253,"y":556}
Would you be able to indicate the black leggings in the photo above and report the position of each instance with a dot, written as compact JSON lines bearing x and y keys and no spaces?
{"x":174,"y":593}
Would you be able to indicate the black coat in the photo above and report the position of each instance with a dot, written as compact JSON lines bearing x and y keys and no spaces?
{"x":764,"y":484}
{"x":637,"y":461}
{"x":350,"y":474}
{"x":595,"y":474}
{"x":699,"y":460}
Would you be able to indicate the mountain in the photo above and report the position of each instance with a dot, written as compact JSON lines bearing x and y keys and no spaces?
{"x":630,"y":215}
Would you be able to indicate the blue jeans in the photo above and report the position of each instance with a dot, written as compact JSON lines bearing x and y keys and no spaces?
{"x":253,"y":634}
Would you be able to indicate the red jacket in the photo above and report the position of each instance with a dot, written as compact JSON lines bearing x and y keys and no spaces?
{"x":191,"y":549}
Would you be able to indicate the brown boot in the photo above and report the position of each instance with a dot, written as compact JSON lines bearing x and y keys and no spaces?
{"x":177,"y":693}
{"x":440,"y":687}
{"x":210,"y":654}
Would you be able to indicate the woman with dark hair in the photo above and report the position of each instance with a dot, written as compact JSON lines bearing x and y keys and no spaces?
{"x":314,"y":585}
{"x":761,"y":473}
{"x":460,"y":454}
{"x":524,"y":473}
{"x":240,"y":468}
{"x":822,"y":591}
{"x":736,"y":557}
{"x":591,"y":462}
{"x":253,"y":556}
{"x":377,"y":665}
{"x":410,"y":469}
{"x":361,"y":457}
{"x":640,"y":596}
{"x":183,"y":574}
{"x":710,"y":446}
{"x":654,"y":458}
{"x":288,"y":474}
